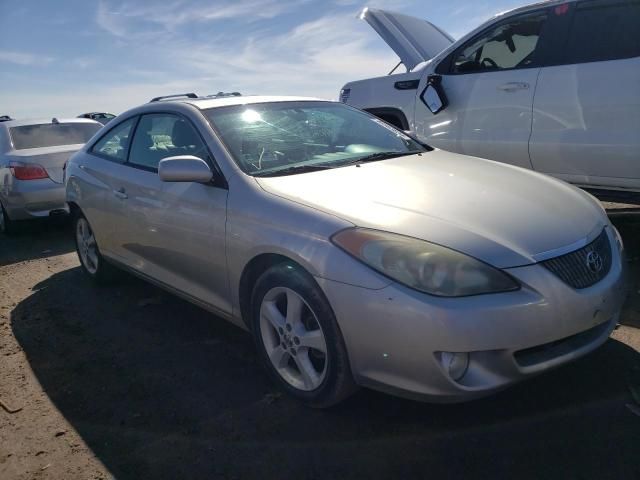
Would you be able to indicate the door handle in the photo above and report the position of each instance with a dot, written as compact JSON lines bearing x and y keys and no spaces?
{"x":513,"y":86}
{"x":120,"y":193}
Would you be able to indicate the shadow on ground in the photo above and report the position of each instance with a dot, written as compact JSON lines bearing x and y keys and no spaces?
{"x":42,"y":239}
{"x":627,"y":221}
{"x":160,"y":389}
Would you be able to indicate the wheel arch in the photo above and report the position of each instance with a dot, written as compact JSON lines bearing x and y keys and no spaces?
{"x":74,"y":208}
{"x":250,"y":274}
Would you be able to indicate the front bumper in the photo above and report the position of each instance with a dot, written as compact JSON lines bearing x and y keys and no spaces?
{"x":29,"y":199}
{"x":393,"y":335}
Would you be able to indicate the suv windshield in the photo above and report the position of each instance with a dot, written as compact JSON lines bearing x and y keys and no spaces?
{"x":283,"y":138}
{"x":52,"y":134}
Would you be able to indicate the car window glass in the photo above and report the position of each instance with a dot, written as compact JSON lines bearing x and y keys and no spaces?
{"x":115,"y":143}
{"x":52,"y":134}
{"x":509,"y":45}
{"x":269,"y":137}
{"x":604,"y":30}
{"x":161,"y":135}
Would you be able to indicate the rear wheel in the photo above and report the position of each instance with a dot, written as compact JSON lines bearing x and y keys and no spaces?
{"x":7,"y":226}
{"x":298,"y":337}
{"x":91,"y":260}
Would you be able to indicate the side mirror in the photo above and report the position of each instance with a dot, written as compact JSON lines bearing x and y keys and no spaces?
{"x":184,"y":168}
{"x":433,"y":96}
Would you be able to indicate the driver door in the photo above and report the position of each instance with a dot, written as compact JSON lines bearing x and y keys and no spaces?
{"x":489,"y":83}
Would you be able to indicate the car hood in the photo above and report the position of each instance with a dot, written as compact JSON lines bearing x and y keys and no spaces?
{"x":414,"y":40}
{"x":503,"y":215}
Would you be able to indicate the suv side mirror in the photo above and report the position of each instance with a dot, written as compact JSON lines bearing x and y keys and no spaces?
{"x":184,"y":168}
{"x":433,"y":95}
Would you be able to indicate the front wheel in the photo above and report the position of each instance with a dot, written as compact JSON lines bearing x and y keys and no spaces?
{"x":91,"y":261}
{"x":298,"y":338}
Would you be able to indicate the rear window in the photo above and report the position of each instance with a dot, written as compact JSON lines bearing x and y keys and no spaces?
{"x":51,"y":134}
{"x":604,"y":30}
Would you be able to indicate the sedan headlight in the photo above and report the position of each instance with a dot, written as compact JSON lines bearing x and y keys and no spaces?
{"x":423,"y":266}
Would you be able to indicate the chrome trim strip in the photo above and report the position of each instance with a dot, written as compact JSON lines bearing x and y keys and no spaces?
{"x":557,"y":252}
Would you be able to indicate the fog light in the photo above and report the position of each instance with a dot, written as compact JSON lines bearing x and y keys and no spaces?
{"x":455,"y":364}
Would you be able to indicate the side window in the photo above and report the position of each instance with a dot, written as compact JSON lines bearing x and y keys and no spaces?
{"x":509,"y":45}
{"x":604,"y":30}
{"x":161,"y":135}
{"x":115,"y":143}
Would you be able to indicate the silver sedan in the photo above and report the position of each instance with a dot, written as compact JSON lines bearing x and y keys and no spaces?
{"x":32,"y":157}
{"x":354,"y":254}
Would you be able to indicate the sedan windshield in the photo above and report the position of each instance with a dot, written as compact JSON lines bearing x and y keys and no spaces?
{"x":285,"y":138}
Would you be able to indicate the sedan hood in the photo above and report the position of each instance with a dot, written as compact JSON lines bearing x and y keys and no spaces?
{"x":503,"y":215}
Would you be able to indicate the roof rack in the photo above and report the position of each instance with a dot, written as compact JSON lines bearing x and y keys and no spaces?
{"x":177,"y":95}
{"x":225,"y":94}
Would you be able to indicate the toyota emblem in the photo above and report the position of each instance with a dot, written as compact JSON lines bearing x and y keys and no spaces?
{"x":594,"y":262}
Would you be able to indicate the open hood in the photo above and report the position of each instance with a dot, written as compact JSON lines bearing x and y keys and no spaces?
{"x":412,"y":39}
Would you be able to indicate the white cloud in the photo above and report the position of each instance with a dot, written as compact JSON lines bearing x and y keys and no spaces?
{"x":125,"y":18}
{"x":25,"y":59}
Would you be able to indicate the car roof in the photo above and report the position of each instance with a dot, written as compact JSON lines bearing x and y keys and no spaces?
{"x":206,"y":103}
{"x":43,"y":121}
{"x":533,"y":6}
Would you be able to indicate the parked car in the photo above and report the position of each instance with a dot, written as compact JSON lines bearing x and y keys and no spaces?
{"x":32,"y":156}
{"x":354,"y":254}
{"x":5,"y":118}
{"x":101,"y":117}
{"x":553,"y":87}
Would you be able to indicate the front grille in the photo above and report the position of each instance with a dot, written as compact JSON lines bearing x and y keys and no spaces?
{"x":584,"y":267}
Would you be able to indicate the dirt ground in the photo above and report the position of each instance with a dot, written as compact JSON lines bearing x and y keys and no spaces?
{"x":129,"y":382}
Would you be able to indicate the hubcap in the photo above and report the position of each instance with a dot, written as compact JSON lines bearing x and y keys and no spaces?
{"x":293,"y":339}
{"x":87,"y":247}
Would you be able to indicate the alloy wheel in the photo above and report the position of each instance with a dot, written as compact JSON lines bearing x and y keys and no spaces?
{"x":87,"y":248}
{"x":293,"y":339}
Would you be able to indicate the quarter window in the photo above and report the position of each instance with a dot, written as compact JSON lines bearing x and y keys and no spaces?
{"x":509,"y":45}
{"x":114,"y":145}
{"x":604,"y":30}
{"x":161,"y":135}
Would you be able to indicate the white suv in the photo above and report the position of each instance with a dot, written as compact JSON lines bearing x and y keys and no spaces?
{"x":554,"y":87}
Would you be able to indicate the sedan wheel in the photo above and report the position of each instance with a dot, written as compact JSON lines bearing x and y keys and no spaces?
{"x":6,"y":225}
{"x":293,"y":339}
{"x":298,"y":338}
{"x":89,"y":254}
{"x":87,"y":248}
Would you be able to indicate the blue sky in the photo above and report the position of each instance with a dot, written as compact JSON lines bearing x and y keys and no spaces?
{"x":65,"y":57}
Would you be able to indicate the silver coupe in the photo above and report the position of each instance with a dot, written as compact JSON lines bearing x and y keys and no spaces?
{"x":355,"y":255}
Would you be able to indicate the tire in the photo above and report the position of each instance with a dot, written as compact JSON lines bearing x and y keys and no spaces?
{"x":91,"y":261}
{"x":7,"y":226}
{"x":293,"y":323}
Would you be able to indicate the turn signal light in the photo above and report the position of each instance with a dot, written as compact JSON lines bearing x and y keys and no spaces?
{"x":28,"y":171}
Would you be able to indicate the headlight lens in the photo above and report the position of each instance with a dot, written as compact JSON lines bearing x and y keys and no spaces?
{"x":423,"y":266}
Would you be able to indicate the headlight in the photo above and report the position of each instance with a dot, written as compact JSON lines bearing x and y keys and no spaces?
{"x":423,"y":266}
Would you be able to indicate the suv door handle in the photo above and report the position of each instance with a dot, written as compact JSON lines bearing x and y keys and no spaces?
{"x":120,"y":193}
{"x":513,"y":86}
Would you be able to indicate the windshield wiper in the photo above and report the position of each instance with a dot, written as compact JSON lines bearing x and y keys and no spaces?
{"x":374,"y":157}
{"x":292,"y":170}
